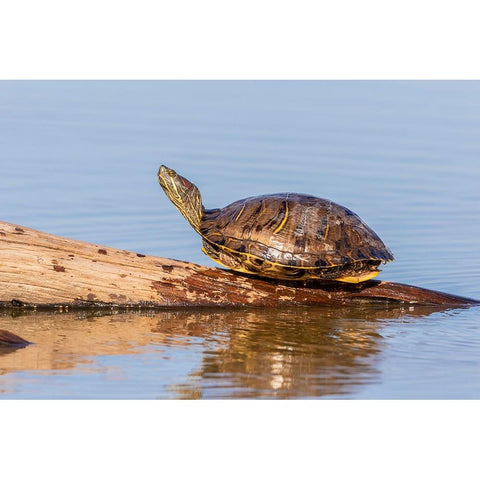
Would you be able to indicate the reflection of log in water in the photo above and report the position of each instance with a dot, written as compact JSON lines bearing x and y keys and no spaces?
{"x":289,"y":354}
{"x":41,"y":269}
{"x":243,"y":353}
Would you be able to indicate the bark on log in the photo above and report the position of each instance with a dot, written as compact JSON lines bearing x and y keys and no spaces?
{"x":39,"y":269}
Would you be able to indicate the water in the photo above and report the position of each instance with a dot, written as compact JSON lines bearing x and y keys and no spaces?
{"x":79,"y":159}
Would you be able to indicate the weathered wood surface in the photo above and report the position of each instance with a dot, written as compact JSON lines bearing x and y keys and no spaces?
{"x":40,"y":269}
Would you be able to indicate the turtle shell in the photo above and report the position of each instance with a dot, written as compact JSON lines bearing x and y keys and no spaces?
{"x":289,"y":235}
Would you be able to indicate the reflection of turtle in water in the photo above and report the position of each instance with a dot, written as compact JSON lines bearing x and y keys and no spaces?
{"x":284,"y":236}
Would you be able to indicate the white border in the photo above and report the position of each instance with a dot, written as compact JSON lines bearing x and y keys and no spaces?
{"x":240,"y":439}
{"x":221,"y":39}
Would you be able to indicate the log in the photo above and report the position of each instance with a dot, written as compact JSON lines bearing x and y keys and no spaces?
{"x":43,"y":270}
{"x":9,"y":339}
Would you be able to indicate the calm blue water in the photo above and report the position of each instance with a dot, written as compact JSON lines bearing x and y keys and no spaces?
{"x":79,"y":159}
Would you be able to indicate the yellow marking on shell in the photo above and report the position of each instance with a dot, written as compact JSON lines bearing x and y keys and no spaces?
{"x":326,"y":230}
{"x":274,"y":264}
{"x":243,"y":254}
{"x":263,"y":207}
{"x":214,"y":233}
{"x":236,"y":269}
{"x":284,"y":219}
{"x":238,"y":216}
{"x":357,"y":279}
{"x":276,"y":267}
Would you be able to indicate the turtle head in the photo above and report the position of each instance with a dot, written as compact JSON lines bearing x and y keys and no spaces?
{"x":183,"y":194}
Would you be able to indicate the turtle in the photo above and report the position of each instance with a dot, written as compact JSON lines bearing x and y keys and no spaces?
{"x":283,"y":236}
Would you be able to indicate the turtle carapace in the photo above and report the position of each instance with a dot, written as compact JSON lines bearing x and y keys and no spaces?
{"x":287,"y":236}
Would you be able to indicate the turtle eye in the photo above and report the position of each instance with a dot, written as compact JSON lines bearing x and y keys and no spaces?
{"x":164,"y":170}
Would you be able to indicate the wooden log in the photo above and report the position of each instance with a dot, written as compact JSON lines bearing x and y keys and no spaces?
{"x":9,"y":339}
{"x":42,"y":270}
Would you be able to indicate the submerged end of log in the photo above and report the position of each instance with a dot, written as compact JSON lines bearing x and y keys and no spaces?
{"x":40,"y":270}
{"x":9,"y":339}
